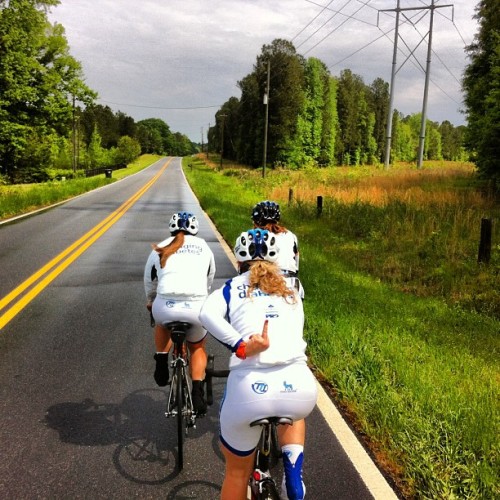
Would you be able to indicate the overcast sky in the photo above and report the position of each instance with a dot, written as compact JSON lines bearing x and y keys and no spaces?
{"x":179,"y":60}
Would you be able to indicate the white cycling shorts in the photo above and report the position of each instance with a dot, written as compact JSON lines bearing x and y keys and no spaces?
{"x":284,"y":391}
{"x":168,"y":309}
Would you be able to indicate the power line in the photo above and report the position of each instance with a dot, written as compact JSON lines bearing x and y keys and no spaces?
{"x":349,"y":17}
{"x":159,"y":107}
{"x":312,"y":20}
{"x":326,"y":22}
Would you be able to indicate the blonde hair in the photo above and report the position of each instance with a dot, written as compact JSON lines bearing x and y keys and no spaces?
{"x":170,"y":249}
{"x":273,"y":227}
{"x":267,"y":277}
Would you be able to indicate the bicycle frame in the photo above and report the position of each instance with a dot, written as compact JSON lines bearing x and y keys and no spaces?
{"x":179,"y":401}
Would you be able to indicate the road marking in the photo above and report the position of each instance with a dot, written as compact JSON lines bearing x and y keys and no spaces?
{"x":78,"y":247}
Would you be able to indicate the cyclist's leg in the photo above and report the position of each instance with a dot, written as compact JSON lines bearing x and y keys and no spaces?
{"x":163,"y":344}
{"x":198,"y":364}
{"x":292,"y":438}
{"x":238,"y":470}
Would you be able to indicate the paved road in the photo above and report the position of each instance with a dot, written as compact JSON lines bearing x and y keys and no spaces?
{"x":81,"y":416}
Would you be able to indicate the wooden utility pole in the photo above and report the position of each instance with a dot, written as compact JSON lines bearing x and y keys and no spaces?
{"x":266,"y":104}
{"x":222,"y":138}
{"x":74,"y":135}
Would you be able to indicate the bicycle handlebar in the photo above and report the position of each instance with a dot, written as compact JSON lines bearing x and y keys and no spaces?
{"x":210,"y":372}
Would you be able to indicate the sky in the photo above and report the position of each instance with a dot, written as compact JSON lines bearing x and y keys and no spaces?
{"x":180,"y":60}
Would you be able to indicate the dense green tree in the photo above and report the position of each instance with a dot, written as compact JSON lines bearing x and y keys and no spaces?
{"x":38,"y":81}
{"x":96,"y":154}
{"x":452,"y":139}
{"x":404,"y":140}
{"x":227,"y":117}
{"x":353,"y":117}
{"x":251,"y":122}
{"x":481,"y":84}
{"x":330,"y":124}
{"x":127,"y":150}
{"x":307,"y":144}
{"x":378,"y":99}
{"x":154,"y":136}
{"x":181,"y":145}
{"x":105,"y":120}
{"x":286,"y":96}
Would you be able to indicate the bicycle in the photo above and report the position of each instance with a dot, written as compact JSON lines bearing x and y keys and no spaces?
{"x":261,"y":484}
{"x":180,"y":401}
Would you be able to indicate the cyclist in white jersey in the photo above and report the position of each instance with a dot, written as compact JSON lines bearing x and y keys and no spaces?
{"x":177,"y":279}
{"x":266,"y":215}
{"x":261,"y":319}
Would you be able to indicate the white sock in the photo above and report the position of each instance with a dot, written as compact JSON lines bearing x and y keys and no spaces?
{"x":292,"y":451}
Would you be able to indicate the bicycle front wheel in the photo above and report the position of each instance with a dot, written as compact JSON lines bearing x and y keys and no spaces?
{"x":181,"y":424}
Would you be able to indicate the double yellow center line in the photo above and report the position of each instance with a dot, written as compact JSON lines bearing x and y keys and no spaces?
{"x":58,"y":264}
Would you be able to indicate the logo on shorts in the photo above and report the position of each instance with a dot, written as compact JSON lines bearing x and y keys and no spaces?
{"x":259,"y":387}
{"x":288,"y":387}
{"x":170,"y":303}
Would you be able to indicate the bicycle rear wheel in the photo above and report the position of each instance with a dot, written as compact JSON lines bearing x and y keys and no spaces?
{"x":181,"y":418}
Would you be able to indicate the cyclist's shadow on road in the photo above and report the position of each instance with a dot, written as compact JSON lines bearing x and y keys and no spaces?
{"x":146,"y":451}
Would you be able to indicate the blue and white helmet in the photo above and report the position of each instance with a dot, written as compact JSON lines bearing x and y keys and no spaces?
{"x":256,"y":244}
{"x":184,"y":221}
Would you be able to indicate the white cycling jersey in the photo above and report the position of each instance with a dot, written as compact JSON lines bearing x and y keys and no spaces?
{"x":188,"y":273}
{"x":231,"y":317}
{"x":288,"y":255}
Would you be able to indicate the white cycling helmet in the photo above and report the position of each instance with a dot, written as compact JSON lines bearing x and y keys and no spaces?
{"x":256,"y":244}
{"x":184,"y":221}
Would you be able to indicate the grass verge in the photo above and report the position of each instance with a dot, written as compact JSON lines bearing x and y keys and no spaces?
{"x":22,"y":198}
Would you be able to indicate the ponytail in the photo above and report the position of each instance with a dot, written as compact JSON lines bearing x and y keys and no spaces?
{"x":171,"y":248}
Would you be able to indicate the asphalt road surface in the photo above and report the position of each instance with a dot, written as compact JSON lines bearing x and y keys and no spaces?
{"x":81,"y":416}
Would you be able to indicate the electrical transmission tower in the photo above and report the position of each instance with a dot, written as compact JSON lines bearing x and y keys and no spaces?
{"x":432,"y":7}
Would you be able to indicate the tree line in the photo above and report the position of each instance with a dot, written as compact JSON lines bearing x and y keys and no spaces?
{"x":316,"y":119}
{"x":49,"y":120}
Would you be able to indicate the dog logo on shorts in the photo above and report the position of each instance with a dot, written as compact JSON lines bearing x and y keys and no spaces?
{"x":288,"y":387}
{"x":259,"y":387}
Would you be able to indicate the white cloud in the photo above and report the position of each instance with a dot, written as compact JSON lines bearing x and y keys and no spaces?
{"x":145,"y":56}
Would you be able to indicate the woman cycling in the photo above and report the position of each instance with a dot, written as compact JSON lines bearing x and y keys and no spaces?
{"x":177,"y":278}
{"x":266,"y":215}
{"x":261,"y":320}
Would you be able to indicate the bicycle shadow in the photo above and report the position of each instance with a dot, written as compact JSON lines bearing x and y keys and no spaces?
{"x":146,"y":453}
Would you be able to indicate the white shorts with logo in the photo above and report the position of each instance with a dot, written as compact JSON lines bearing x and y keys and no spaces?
{"x":188,"y":310}
{"x":284,"y":391}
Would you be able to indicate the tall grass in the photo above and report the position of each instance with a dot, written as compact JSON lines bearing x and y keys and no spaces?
{"x":417,"y":372}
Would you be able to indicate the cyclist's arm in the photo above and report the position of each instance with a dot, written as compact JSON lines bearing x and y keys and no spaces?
{"x":213,"y":318}
{"x":151,"y":277}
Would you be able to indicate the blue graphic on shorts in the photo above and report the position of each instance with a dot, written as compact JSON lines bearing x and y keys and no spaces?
{"x":288,"y":387}
{"x":170,"y":303}
{"x":260,"y":387}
